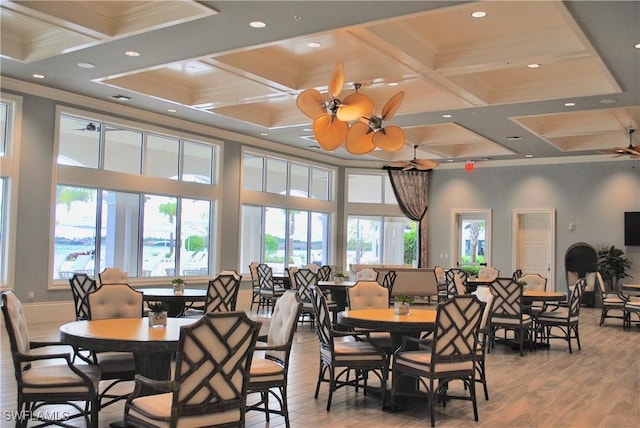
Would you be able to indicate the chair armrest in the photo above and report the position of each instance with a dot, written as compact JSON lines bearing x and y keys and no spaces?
{"x":262,"y":338}
{"x":158,"y":385}
{"x":25,"y":358}
{"x":273,"y":348}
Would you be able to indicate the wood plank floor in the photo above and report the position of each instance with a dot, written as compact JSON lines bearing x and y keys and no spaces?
{"x":598,"y":386}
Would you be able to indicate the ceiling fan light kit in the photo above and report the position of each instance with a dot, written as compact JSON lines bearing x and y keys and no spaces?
{"x":331,"y":119}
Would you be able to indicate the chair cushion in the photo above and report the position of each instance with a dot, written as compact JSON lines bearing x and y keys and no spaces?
{"x":263,"y":370}
{"x":350,"y":351}
{"x":559,"y":315}
{"x":526,"y":319}
{"x":613,"y":301}
{"x":51,"y":379}
{"x":160,"y":405}
{"x":421,"y":360}
{"x":111,"y":362}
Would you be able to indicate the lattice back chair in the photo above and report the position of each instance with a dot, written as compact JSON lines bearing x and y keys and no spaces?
{"x":388,"y":280}
{"x":305,"y":279}
{"x":441,"y":283}
{"x":562,"y":317}
{"x":312,"y":267}
{"x":255,"y":284}
{"x":452,"y":290}
{"x":113,"y":275}
{"x":115,"y":301}
{"x":269,"y":375}
{"x":291,"y":272}
{"x":516,"y":274}
{"x":485,"y":295}
{"x":537,"y":282}
{"x":81,"y":285}
{"x":324,"y":273}
{"x":371,"y":295}
{"x":508,"y":313}
{"x":339,"y":357}
{"x":488,"y":273}
{"x":222,"y":292}
{"x":48,"y":375}
{"x":458,"y":282}
{"x":449,"y":355}
{"x":211,"y":378}
{"x":269,"y":292}
{"x":611,"y":301}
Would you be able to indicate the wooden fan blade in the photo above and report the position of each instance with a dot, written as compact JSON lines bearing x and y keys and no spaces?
{"x":329,"y":132}
{"x":391,"y":107}
{"x":399,"y":164}
{"x":390,"y":138}
{"x":424,"y":164}
{"x":354,"y":107}
{"x":337,"y":80}
{"x":311,"y":103}
{"x":359,"y":139}
{"x":633,"y":151}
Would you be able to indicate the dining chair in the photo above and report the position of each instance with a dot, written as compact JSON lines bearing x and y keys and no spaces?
{"x":324,"y":273}
{"x":291,"y":271}
{"x":338,"y":357}
{"x":305,"y":279}
{"x":388,"y":281}
{"x":269,"y":374}
{"x":222,"y":292}
{"x":312,"y":267}
{"x":488,"y":273}
{"x":452,"y":289}
{"x":536,"y":282}
{"x":516,"y":274}
{"x":562,"y":317}
{"x":366,"y":274}
{"x":458,"y":283}
{"x":113,"y":275}
{"x":81,"y":285}
{"x":630,"y":307}
{"x":508,"y":313}
{"x":485,"y":295}
{"x":255,"y":285}
{"x":371,"y":295}
{"x":269,"y":292}
{"x":441,"y":283}
{"x":610,"y":301}
{"x":211,"y":377}
{"x":449,"y":354}
{"x":114,"y":301}
{"x":45,"y":375}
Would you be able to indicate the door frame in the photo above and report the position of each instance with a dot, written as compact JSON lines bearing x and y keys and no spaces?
{"x":455,"y":237}
{"x":551,"y":234}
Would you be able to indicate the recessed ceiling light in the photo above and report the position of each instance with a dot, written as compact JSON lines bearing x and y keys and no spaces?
{"x":569,"y":104}
{"x":86,"y":65}
{"x":38,"y":76}
{"x":479,"y":14}
{"x":257,"y":24}
{"x":132,"y":53}
{"x":607,"y":101}
{"x":308,"y":130}
{"x":449,"y":160}
{"x":447,"y":116}
{"x":528,"y":156}
{"x":535,"y":65}
{"x":121,"y":97}
{"x":637,"y":46}
{"x":393,"y":84}
{"x":313,"y":45}
{"x":264,"y":134}
{"x":172,"y":110}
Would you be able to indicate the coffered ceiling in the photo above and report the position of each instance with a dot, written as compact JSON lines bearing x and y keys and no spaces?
{"x":541,"y":79}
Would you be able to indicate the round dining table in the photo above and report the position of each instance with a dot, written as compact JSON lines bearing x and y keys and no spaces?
{"x":630,"y":289}
{"x":176,"y":301}
{"x":152,"y":347}
{"x":338,"y":290}
{"x":529,"y":296}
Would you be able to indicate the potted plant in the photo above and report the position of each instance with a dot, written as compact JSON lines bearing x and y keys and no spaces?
{"x":613,"y":266}
{"x":157,"y":314}
{"x":401,"y":304}
{"x":178,"y":285}
{"x":338,"y":277}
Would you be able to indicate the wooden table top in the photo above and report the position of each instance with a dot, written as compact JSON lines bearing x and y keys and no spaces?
{"x":631,"y":286}
{"x":387,"y":320}
{"x":123,"y":334}
{"x":336,"y":284}
{"x":188,"y":293}
{"x":547,"y":296}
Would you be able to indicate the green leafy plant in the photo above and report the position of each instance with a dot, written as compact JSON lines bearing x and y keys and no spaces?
{"x":157,"y":306}
{"x":613,"y":265}
{"x":178,"y":281}
{"x":403,"y":298}
{"x":338,"y":275}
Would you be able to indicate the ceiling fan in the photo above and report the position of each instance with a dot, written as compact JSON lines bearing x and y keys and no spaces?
{"x":631,"y":150}
{"x":415,"y":163}
{"x":367,"y":134}
{"x":330,"y":118}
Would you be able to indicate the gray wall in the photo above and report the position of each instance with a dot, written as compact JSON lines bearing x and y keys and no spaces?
{"x":594,"y":196}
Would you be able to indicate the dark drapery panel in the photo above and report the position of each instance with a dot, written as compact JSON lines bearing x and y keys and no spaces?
{"x":412,"y":192}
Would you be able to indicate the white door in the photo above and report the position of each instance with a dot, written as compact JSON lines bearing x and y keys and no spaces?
{"x":534,"y":243}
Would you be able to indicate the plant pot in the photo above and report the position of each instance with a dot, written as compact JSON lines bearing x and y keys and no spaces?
{"x":178,"y":288}
{"x":158,"y":319}
{"x":401,"y":308}
{"x":338,"y":279}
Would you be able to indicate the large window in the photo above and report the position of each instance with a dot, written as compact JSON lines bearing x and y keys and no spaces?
{"x":286,"y":212}
{"x":10,"y":116}
{"x":377,"y":232}
{"x":148,"y":207}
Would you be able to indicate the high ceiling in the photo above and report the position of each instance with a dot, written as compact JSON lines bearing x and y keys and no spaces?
{"x":470,"y":91}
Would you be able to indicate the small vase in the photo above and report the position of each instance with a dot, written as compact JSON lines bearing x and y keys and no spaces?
{"x":178,"y":288}
{"x":158,"y":319}
{"x":401,"y":308}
